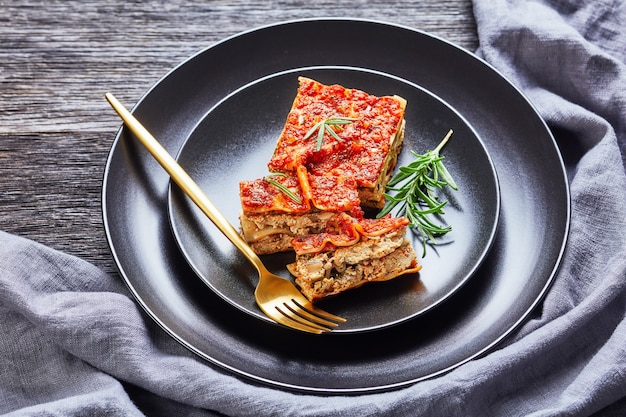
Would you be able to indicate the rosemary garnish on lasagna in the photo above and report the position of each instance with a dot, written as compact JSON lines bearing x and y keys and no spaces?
{"x":325,"y":125}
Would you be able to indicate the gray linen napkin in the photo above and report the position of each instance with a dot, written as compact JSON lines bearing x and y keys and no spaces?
{"x":74,"y":343}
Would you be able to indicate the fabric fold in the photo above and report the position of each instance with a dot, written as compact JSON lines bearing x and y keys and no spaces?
{"x":75,"y":343}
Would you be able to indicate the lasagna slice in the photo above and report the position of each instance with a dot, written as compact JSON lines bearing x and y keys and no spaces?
{"x":350,"y":252}
{"x":275,"y":209}
{"x":335,"y":130}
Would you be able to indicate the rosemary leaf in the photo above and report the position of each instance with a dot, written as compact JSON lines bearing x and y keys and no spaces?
{"x":325,"y":126}
{"x":293,"y":196}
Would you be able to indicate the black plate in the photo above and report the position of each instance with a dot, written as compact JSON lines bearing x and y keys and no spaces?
{"x":532,"y":231}
{"x":226,"y":148}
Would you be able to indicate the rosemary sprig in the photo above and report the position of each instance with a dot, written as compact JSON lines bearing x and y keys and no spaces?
{"x":325,"y":126}
{"x":415,"y":194}
{"x":269,"y":178}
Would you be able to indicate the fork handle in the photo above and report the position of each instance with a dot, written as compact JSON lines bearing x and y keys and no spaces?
{"x":184,"y":181}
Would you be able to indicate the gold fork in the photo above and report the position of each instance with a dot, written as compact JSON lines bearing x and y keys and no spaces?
{"x":277,"y":297}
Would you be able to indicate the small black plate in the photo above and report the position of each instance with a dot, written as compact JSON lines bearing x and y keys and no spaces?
{"x":234,"y":142}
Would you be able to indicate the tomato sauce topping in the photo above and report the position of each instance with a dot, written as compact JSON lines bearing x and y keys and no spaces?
{"x":261,"y":196}
{"x":364,"y":143}
{"x":325,"y":193}
{"x":334,"y":193}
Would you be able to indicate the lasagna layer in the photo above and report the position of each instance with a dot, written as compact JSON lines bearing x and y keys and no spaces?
{"x":356,"y":252}
{"x":374,"y":259}
{"x":268,"y":233}
{"x":365,"y":147}
{"x":271,"y":218}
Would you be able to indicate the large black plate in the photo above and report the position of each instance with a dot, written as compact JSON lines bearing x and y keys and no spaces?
{"x":226,"y":148}
{"x":532,"y":232}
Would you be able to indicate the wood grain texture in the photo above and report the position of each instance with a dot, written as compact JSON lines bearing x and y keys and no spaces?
{"x":58,"y":58}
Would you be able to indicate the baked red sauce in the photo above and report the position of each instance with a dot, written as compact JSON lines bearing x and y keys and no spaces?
{"x":375,"y":227}
{"x":260,"y":196}
{"x":364,"y":142}
{"x":334,"y":193}
{"x":325,"y":193}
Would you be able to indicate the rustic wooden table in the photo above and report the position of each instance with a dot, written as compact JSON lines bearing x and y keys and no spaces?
{"x":58,"y":58}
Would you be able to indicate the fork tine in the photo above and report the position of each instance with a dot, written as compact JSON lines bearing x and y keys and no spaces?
{"x":307,"y":306}
{"x":278,"y":316}
{"x":305,"y":314}
{"x":291,"y":319}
